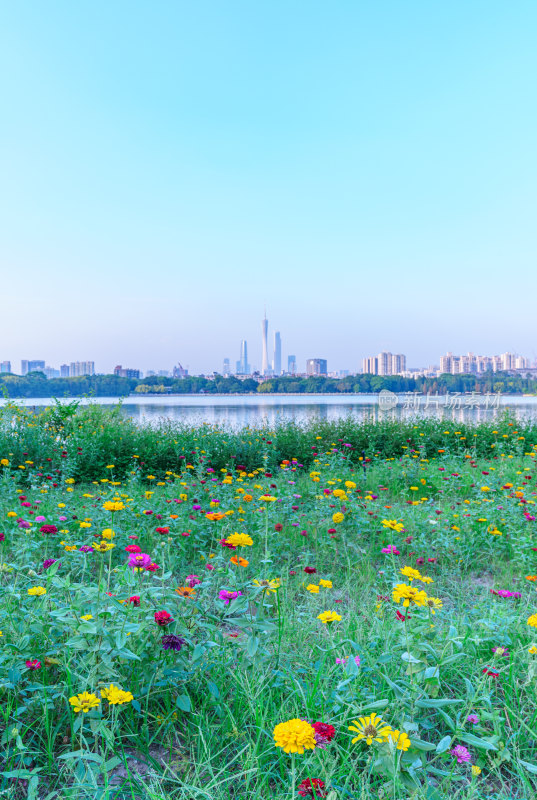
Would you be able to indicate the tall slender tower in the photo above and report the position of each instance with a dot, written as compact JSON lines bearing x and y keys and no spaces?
{"x":264,"y":330}
{"x":277,"y":363}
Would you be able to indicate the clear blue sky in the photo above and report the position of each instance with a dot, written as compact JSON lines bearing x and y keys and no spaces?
{"x":366,"y":169}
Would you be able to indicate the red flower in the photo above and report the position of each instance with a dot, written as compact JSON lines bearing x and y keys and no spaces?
{"x":132,"y":548}
{"x":278,"y":526}
{"x":400,"y":616}
{"x":491,"y":672}
{"x":162,"y":618}
{"x":162,"y":530}
{"x":135,"y":600}
{"x":225,"y":544}
{"x":152,"y":567}
{"x":33,"y":665}
{"x":48,"y":529}
{"x":312,"y":788}
{"x":310,"y":570}
{"x":324,"y":731}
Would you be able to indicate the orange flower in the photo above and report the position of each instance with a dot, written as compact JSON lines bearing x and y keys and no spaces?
{"x":174,"y":516}
{"x":531,"y":577}
{"x":239,"y":561}
{"x":185,"y":591}
{"x":214,"y":516}
{"x":247,"y":498}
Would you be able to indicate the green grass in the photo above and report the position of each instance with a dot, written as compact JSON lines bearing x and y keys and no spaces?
{"x":201,"y":720}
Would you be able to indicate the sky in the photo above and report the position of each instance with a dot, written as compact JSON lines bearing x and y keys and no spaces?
{"x":366,"y":170}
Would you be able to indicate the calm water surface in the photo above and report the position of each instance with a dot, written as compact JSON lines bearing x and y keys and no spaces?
{"x":254,"y":410}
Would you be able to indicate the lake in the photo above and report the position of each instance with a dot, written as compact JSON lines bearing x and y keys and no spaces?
{"x":241,"y":410}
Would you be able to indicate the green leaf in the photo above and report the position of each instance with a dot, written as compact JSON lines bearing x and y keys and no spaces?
{"x":476,"y":741}
{"x":436,"y":703}
{"x":526,"y":764}
{"x":252,"y":645}
{"x":86,"y":755}
{"x":419,"y":744}
{"x":183,"y":702}
{"x":443,"y":744}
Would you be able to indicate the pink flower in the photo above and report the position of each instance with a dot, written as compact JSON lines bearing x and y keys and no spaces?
{"x":391,"y":549}
{"x":209,"y":567}
{"x":141,"y":560}
{"x":33,"y":665}
{"x":193,"y":580}
{"x":344,"y":660}
{"x":227,"y":597}
{"x":461,"y":754}
{"x":40,"y":519}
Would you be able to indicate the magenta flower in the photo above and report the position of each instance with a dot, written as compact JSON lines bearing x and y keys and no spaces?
{"x":40,"y":519}
{"x":391,"y":549}
{"x":344,"y":660}
{"x":193,"y":580}
{"x":461,"y":754}
{"x":140,"y":560}
{"x":227,"y":597}
{"x":473,"y":718}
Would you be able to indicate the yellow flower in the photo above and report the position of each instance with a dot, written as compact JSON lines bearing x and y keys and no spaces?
{"x":433,"y":603}
{"x":108,"y":533}
{"x":110,"y":505}
{"x":269,"y":585}
{"x":533,"y":621}
{"x":69,"y":480}
{"x":400,"y":739}
{"x":294,"y":736}
{"x":116,"y":696}
{"x":267,"y":498}
{"x":240,"y":540}
{"x":425,"y":579}
{"x":393,"y":525}
{"x":410,"y":573}
{"x":338,"y":517}
{"x":532,"y":650}
{"x":87,"y":617}
{"x":409,"y":595}
{"x":102,"y":547}
{"x":37,"y":591}
{"x":328,"y":616}
{"x":371,"y":729}
{"x":313,"y":588}
{"x":325,"y":584}
{"x":350,"y":484}
{"x":12,"y":513}
{"x":476,"y":770}
{"x":84,"y":702}
{"x":4,"y":462}
{"x":110,"y":466}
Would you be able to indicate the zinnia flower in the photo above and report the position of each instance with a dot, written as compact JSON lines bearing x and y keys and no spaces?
{"x":401,"y":740}
{"x":370,"y":729}
{"x":227,"y":597}
{"x":312,"y":787}
{"x":84,"y":702}
{"x":294,"y":736}
{"x":33,"y":665}
{"x":328,"y":617}
{"x":239,"y":540}
{"x":172,"y":642}
{"x":162,"y":618}
{"x":139,"y":560}
{"x":116,"y":696}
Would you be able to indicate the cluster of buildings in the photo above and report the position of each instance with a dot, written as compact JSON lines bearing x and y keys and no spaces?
{"x":384,"y":364}
{"x":72,"y":370}
{"x":472,"y":364}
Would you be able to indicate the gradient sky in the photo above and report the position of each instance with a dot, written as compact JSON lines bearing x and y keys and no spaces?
{"x":366,"y":169}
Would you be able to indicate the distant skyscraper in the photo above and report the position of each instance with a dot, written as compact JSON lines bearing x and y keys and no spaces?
{"x":226,"y":367}
{"x":316,"y":366}
{"x":31,"y":366}
{"x":277,"y":363}
{"x":264,"y":331}
{"x":291,"y":365}
{"x":5,"y":366}
{"x":80,"y":368}
{"x":243,"y":367}
{"x":64,"y":371}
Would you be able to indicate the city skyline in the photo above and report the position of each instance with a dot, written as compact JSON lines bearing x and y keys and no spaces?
{"x":208,"y":173}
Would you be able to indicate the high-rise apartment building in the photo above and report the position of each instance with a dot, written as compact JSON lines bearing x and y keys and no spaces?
{"x":470,"y":364}
{"x":291,"y":365}
{"x":226,"y":368}
{"x":384,"y":364}
{"x":31,"y":366}
{"x":64,"y":370}
{"x":264,"y":332}
{"x":277,"y":361}
{"x":126,"y":373}
{"x":5,"y":366}
{"x":316,"y":366}
{"x":79,"y":368}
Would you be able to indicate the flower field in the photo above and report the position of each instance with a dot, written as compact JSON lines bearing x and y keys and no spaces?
{"x":340,"y":621}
